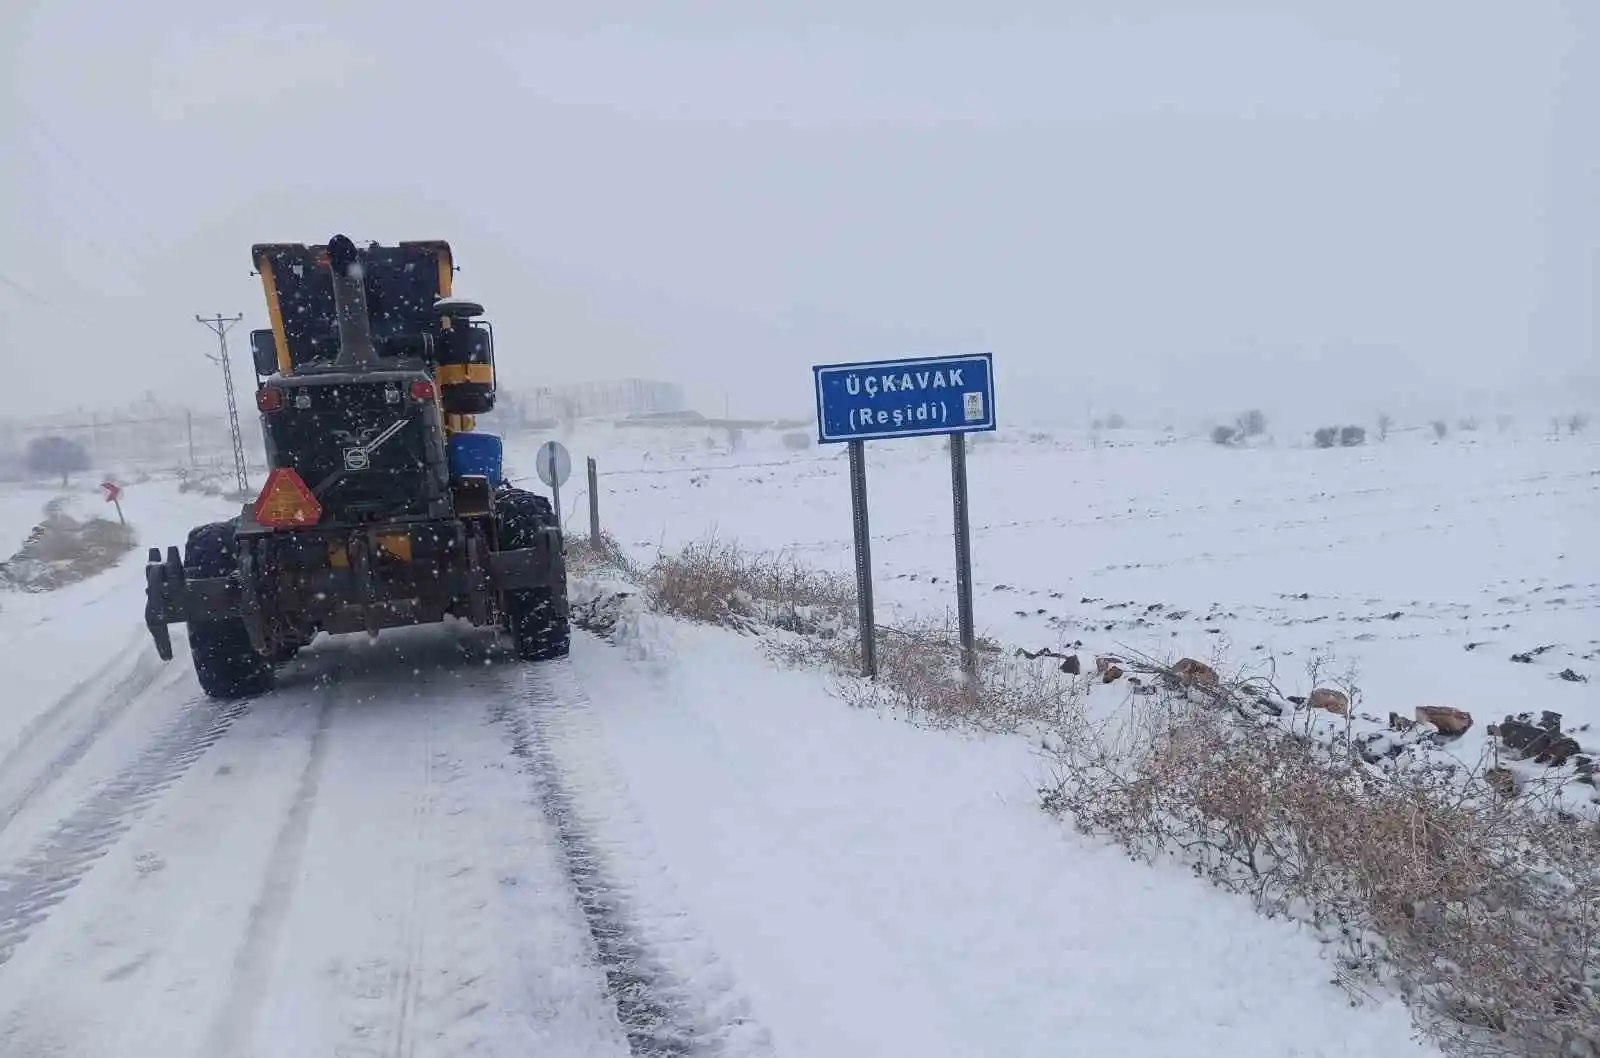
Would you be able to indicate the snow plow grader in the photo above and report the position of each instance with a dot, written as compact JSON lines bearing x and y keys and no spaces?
{"x":383,"y":505}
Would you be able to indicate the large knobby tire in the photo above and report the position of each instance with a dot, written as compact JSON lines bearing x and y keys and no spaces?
{"x":540,"y":630}
{"x":537,"y":618}
{"x":225,"y":663}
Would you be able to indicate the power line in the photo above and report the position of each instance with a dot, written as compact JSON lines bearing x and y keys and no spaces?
{"x":48,"y":135}
{"x":58,"y":427}
{"x":109,"y":249}
{"x":30,"y":295}
{"x":53,"y":306}
{"x":121,"y":267}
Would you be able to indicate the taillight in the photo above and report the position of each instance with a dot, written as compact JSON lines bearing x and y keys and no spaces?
{"x":422,"y":389}
{"x":269,"y":399}
{"x":285,"y":502}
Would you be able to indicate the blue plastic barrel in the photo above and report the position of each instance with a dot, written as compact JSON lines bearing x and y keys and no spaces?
{"x":476,"y":454}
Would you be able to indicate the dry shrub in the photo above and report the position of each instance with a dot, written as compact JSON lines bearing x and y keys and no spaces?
{"x":62,"y":551}
{"x":585,"y":559}
{"x":1485,"y":914}
{"x":706,"y":582}
{"x":920,"y":676}
{"x":206,"y":482}
{"x":718,"y":582}
{"x":812,"y":615}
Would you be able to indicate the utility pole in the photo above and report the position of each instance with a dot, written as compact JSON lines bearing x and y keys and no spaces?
{"x":221,"y":326}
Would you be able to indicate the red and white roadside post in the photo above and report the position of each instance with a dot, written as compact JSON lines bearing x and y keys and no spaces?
{"x":113,"y":493}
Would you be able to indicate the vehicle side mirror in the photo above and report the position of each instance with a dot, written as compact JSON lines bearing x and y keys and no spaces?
{"x":480,"y":345}
{"x":264,"y":350}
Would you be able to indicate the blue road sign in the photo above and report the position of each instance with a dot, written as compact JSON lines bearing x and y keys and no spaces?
{"x":904,"y":398}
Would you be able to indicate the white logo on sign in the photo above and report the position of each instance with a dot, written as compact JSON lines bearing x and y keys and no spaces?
{"x":974,"y":406}
{"x":360,"y":457}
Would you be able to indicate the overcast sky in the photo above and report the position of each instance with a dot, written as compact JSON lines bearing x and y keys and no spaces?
{"x":1150,"y":206}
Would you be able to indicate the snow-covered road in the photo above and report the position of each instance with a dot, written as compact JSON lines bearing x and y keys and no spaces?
{"x":663,"y":848}
{"x":359,"y":863}
{"x":662,"y":845}
{"x":351,"y":865}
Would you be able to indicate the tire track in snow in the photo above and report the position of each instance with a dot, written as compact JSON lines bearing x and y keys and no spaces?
{"x":252,"y":965}
{"x":660,"y":1014}
{"x":408,"y":994}
{"x":145,"y":671}
{"x":65,"y":703}
{"x":44,"y":877}
{"x":635,"y":983}
{"x":433,"y":914}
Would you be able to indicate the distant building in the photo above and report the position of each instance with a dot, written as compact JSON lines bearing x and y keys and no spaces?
{"x":628,"y":396}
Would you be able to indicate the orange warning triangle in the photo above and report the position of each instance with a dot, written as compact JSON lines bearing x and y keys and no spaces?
{"x":285,"y":501}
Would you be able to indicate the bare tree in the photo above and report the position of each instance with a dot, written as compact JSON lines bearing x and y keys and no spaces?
{"x":1385,"y":424}
{"x":54,"y":454}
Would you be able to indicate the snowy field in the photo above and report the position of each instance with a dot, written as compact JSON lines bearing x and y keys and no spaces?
{"x":23,"y":507}
{"x":666,"y":846}
{"x":1421,"y":566}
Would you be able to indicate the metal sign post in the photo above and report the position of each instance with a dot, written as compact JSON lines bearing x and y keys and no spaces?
{"x":919,"y":397}
{"x":594,"y":505}
{"x":958,"y":493}
{"x":554,"y":466}
{"x":858,"y":517}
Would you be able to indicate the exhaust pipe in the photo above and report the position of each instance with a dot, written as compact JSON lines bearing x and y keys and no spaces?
{"x":356,"y":350}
